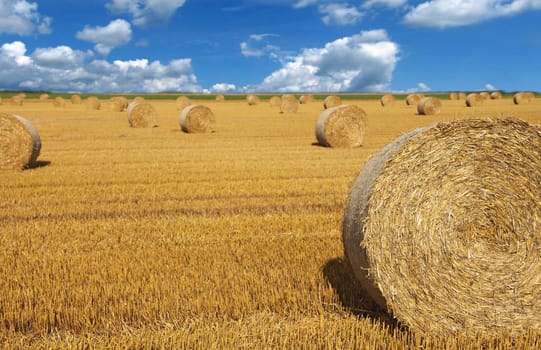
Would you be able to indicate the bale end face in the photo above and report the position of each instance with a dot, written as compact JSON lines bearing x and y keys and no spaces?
{"x":342,"y":126}
{"x":435,"y":234}
{"x":289,"y":104}
{"x":142,"y":115}
{"x":20,"y":143}
{"x":428,"y":106}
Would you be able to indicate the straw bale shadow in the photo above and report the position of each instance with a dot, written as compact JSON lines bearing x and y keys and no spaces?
{"x":338,"y":274}
{"x":41,"y":164}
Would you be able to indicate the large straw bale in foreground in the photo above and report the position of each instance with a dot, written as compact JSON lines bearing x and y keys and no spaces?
{"x":387,"y":100}
{"x":341,"y":126}
{"x":289,"y":104}
{"x":182,"y":102}
{"x":332,"y":101}
{"x":474,"y":99}
{"x":142,"y":115}
{"x":20,"y":143}
{"x":197,"y":119}
{"x":252,"y":100}
{"x":442,"y":227}
{"x":413,"y":99}
{"x":523,"y":97}
{"x":428,"y":106}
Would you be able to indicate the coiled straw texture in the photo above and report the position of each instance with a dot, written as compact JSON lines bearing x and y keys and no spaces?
{"x":197,"y":119}
{"x":341,"y":126}
{"x":443,"y":227}
{"x":142,"y":115}
{"x":20,"y":143}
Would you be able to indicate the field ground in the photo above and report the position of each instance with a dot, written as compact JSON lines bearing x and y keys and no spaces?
{"x":154,"y":238}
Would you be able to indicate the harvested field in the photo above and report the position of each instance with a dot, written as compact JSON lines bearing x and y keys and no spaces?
{"x":154,"y":238}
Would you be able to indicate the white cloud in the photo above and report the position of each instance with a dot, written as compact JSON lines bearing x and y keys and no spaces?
{"x":146,"y":12}
{"x":60,"y":56}
{"x":223,"y":88}
{"x":490,"y":87}
{"x":304,"y":3}
{"x":64,"y":69}
{"x":116,"y":33}
{"x":258,"y":45}
{"x":362,"y":62}
{"x":387,"y":3}
{"x":454,"y":13}
{"x":22,"y":17}
{"x":340,"y":14}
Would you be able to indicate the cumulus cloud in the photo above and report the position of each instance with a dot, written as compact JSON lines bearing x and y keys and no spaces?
{"x":146,"y":12}
{"x":445,"y":13}
{"x":258,"y":45}
{"x":490,"y":87}
{"x":22,"y":17}
{"x":64,"y":69}
{"x":362,"y":62}
{"x":116,"y":33}
{"x":340,"y":14}
{"x":221,"y":88}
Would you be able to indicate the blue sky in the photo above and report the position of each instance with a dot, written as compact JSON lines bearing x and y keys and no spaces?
{"x":270,"y":45}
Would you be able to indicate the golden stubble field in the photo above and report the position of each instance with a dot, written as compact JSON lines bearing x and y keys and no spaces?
{"x":154,"y":238}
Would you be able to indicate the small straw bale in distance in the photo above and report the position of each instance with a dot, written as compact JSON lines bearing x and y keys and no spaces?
{"x":289,"y":104}
{"x":275,"y":101}
{"x":220,"y":98}
{"x":252,"y":100}
{"x":59,"y":102}
{"x":462,"y":95}
{"x":342,"y":126}
{"x":442,"y":227}
{"x":453,"y":96}
{"x":20,"y":143}
{"x":413,"y":99}
{"x":428,"y":106}
{"x":138,"y":99}
{"x":92,"y":102}
{"x":496,"y":95}
{"x":118,"y":104}
{"x":485,"y":95}
{"x":523,"y":97}
{"x":332,"y":101}
{"x":474,"y":99}
{"x":305,"y":99}
{"x":387,"y":100}
{"x":142,"y":115}
{"x":197,"y":119}
{"x":17,"y":100}
{"x":44,"y":97}
{"x":182,"y":102}
{"x":76,"y":100}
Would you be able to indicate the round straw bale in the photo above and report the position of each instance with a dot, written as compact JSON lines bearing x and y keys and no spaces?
{"x":413,"y":99}
{"x":182,"y":102}
{"x":387,"y":100}
{"x":332,"y":101}
{"x":341,"y":126}
{"x":19,"y":142}
{"x":252,"y":100}
{"x":138,"y":99}
{"x":16,"y":100}
{"x":523,"y":97}
{"x":76,"y":100}
{"x":453,"y":96}
{"x":59,"y":102}
{"x":444,"y":234}
{"x":485,"y":95}
{"x":118,"y":103}
{"x":92,"y":102}
{"x":142,"y":115}
{"x":474,"y":99}
{"x":289,"y":104}
{"x":44,"y":97}
{"x":197,"y":119}
{"x":462,"y":95}
{"x":496,"y":95}
{"x":275,"y":101}
{"x":304,"y":99}
{"x":220,"y":98}
{"x":428,"y":106}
